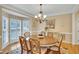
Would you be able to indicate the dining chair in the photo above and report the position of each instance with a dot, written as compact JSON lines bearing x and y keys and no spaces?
{"x":35,"y":47}
{"x":27,"y":34}
{"x":57,"y":46}
{"x":23,"y":43}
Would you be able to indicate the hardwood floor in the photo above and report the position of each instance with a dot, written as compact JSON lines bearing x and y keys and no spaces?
{"x":71,"y":49}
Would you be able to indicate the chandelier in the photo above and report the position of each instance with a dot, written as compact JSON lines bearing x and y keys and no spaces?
{"x":40,"y":17}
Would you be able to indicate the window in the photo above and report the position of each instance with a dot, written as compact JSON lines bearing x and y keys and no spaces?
{"x":15,"y":29}
{"x":26,"y":26}
{"x":4,"y":31}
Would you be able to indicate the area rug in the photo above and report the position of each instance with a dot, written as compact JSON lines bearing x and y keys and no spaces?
{"x":18,"y":51}
{"x":15,"y":51}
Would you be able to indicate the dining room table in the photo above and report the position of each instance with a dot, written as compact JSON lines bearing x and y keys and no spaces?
{"x":45,"y":41}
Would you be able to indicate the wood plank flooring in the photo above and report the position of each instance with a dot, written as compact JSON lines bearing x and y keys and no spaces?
{"x":72,"y":49}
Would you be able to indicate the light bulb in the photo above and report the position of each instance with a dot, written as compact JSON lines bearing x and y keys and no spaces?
{"x":44,"y":16}
{"x":35,"y":16}
{"x":39,"y":15}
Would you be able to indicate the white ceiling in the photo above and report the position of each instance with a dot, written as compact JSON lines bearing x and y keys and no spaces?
{"x":48,"y":9}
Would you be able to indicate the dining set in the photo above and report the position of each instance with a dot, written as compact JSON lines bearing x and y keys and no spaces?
{"x":41,"y":43}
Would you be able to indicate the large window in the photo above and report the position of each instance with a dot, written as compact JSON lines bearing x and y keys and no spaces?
{"x":4,"y":31}
{"x":12,"y":28}
{"x":15,"y":29}
{"x":26,"y":25}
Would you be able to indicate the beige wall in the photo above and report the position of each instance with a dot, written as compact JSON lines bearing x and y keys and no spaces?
{"x":63,"y":23}
{"x":36,"y":26}
{"x":0,"y":28}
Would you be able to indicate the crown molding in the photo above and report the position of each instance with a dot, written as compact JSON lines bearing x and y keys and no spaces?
{"x":56,"y":14}
{"x":26,"y":13}
{"x":16,"y":10}
{"x":76,"y":8}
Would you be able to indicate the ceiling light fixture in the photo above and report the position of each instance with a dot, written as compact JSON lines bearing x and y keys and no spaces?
{"x":40,"y":17}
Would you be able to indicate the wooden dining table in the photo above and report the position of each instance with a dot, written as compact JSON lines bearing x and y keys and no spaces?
{"x":45,"y":41}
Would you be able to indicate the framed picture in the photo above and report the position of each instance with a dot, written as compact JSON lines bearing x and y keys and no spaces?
{"x":50,"y":24}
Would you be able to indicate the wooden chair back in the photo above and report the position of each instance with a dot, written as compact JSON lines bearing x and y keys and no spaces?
{"x":56,"y":35}
{"x":35,"y":46}
{"x":27,"y":34}
{"x":23,"y":44}
{"x":60,"y":39}
{"x":56,"y":48}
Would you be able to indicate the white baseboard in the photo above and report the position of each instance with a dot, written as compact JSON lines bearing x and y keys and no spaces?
{"x":70,"y":43}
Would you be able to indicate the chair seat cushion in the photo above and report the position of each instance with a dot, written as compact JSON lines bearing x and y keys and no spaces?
{"x":43,"y":50}
{"x":54,"y":48}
